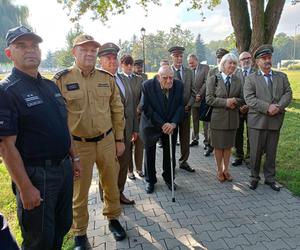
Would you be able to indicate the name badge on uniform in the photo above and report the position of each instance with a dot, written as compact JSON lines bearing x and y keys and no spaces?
{"x":103,"y":85}
{"x":72,"y":86}
{"x":32,"y":99}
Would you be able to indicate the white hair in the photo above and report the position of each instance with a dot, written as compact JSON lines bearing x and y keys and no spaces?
{"x":225,"y":58}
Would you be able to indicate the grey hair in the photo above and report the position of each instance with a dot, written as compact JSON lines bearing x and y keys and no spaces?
{"x":192,"y":56}
{"x":164,"y":62}
{"x":165,"y":69}
{"x":225,"y":58}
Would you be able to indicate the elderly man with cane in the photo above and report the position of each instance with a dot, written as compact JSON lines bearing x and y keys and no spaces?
{"x":162,"y":110}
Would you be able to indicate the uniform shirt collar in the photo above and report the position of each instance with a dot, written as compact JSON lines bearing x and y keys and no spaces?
{"x":79,"y":70}
{"x":23,"y":75}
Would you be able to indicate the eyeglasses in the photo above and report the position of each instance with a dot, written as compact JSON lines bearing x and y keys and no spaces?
{"x":167,"y":77}
{"x":246,"y":58}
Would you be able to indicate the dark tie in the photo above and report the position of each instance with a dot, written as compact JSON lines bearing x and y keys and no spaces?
{"x":270,"y":84}
{"x":227,"y":84}
{"x":245,"y":72}
{"x":165,"y":98}
{"x":178,"y":74}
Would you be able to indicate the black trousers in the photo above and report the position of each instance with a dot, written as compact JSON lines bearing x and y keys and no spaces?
{"x":149,"y":162}
{"x":44,"y":227}
{"x":7,"y":241}
{"x":239,"y":139}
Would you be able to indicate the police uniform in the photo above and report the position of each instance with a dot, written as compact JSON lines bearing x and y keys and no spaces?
{"x":44,"y":146}
{"x":95,"y":118}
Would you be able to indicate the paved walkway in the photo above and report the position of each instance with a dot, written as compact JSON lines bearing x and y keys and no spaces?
{"x":206,"y":214}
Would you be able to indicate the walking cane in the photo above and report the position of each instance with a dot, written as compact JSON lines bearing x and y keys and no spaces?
{"x":172,"y":168}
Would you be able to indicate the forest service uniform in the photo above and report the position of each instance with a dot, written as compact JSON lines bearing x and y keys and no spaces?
{"x":96,"y":120}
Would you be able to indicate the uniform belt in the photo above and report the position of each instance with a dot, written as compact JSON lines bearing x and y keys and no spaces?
{"x":92,"y":139}
{"x":43,"y":162}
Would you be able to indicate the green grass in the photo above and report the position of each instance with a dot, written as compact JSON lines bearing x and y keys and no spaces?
{"x":288,"y":172}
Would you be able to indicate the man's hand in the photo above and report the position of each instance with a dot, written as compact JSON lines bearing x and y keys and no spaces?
{"x":168,"y":128}
{"x":244,"y":109}
{"x":134,"y":136}
{"x":30,"y":197}
{"x":273,"y":109}
{"x":76,"y":169}
{"x":198,"y":98}
{"x":187,"y":108}
{"x":120,"y":148}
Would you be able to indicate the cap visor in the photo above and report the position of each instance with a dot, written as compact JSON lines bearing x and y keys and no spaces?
{"x":89,"y":41}
{"x":31,"y":35}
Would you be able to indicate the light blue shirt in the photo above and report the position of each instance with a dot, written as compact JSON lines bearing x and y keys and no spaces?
{"x":266,"y":78}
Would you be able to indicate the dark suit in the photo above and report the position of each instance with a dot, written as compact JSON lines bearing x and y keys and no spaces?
{"x":200,"y":78}
{"x":264,"y":129}
{"x":136,"y":84}
{"x":189,"y":94}
{"x":239,"y":139}
{"x":154,"y":115}
{"x":131,"y":125}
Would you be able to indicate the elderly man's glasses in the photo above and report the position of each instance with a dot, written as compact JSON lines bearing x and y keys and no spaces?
{"x":246,"y":58}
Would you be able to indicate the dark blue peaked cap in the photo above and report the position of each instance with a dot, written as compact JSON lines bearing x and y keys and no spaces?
{"x":17,"y":32}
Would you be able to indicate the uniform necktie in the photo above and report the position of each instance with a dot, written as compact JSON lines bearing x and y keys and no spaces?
{"x":178,"y":74}
{"x":245,"y":73}
{"x":270,"y":84}
{"x":227,"y":84}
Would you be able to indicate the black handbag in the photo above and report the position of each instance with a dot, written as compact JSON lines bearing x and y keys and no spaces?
{"x":205,"y":111}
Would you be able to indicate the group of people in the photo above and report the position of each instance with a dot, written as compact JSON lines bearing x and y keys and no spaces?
{"x":53,"y":132}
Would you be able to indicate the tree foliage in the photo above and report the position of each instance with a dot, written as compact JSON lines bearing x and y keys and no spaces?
{"x":254,"y":21}
{"x":10,"y":16}
{"x":200,"y":48}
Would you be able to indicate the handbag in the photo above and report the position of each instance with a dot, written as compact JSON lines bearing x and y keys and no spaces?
{"x":205,"y":111}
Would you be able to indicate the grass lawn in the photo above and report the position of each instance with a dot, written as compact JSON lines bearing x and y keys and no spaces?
{"x":288,"y":172}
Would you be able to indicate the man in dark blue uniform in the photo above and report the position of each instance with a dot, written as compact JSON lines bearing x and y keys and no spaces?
{"x":36,"y":145}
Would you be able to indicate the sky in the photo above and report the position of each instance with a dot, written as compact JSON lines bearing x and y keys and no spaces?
{"x":52,"y":23}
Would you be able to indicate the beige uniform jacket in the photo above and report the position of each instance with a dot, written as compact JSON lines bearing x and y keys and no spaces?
{"x":93,"y":102}
{"x":216,"y":96}
{"x":258,"y":98}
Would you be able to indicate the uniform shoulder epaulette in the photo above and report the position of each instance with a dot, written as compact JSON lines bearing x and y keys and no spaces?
{"x":9,"y":81}
{"x":60,"y":74}
{"x":104,"y":71}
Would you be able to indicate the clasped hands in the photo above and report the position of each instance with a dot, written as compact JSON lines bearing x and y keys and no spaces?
{"x":168,"y":128}
{"x":273,"y":109}
{"x":231,"y":103}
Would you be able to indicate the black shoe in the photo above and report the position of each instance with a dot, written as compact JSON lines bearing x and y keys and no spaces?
{"x":194,"y":143}
{"x":149,"y":188}
{"x":205,"y":147}
{"x":186,"y":167}
{"x":253,"y":185}
{"x":169,"y":185}
{"x":177,"y":143}
{"x":273,"y":185}
{"x":117,"y":230}
{"x":237,"y":162}
{"x":81,"y":242}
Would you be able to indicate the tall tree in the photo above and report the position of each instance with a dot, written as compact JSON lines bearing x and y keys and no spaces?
{"x":10,"y":16}
{"x":251,"y":30}
{"x":200,"y":49}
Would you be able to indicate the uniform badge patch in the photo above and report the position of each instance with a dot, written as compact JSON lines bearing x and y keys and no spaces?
{"x":72,"y":86}
{"x":32,"y":99}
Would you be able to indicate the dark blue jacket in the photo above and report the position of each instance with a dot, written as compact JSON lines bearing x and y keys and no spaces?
{"x":154,"y":115}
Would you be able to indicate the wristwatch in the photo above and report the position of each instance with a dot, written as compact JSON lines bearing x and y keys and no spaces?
{"x":75,"y":159}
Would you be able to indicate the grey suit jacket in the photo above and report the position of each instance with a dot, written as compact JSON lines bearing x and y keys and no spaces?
{"x":213,"y":72}
{"x":258,"y":98}
{"x":136,"y":84}
{"x":239,"y":74}
{"x":200,"y":79}
{"x":189,"y":92}
{"x":131,"y":123}
{"x":216,"y":95}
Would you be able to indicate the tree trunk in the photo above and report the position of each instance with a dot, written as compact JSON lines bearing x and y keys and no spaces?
{"x":258,"y":28}
{"x":272,"y":16}
{"x":240,"y":20}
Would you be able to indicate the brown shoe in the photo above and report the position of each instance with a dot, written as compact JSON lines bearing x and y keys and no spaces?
{"x":227,"y":176}
{"x":131,"y":176}
{"x":220,"y":177}
{"x":125,"y":201}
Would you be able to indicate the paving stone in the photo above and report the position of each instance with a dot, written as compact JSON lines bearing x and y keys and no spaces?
{"x":276,"y":244}
{"x":206,"y":214}
{"x":236,"y":241}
